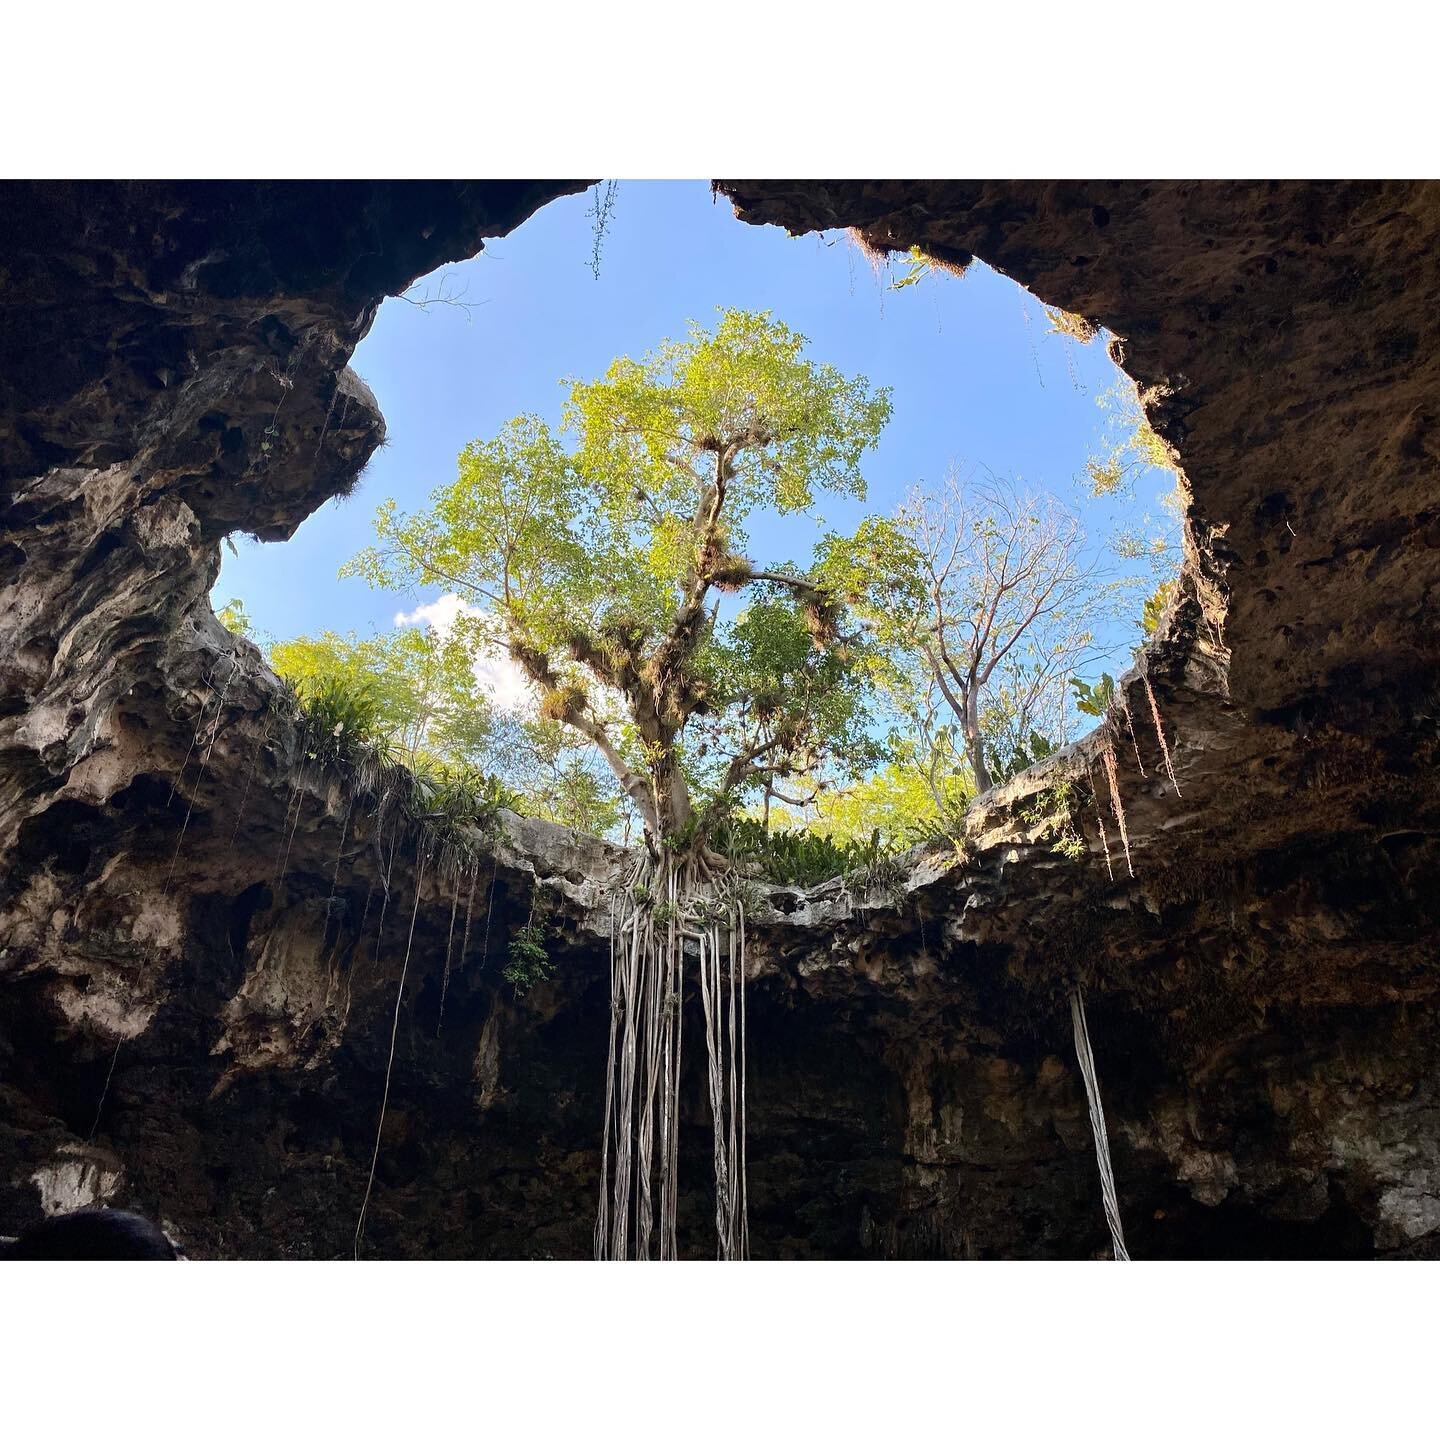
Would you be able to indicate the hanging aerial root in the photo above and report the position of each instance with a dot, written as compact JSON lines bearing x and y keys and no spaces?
{"x":449,"y":943}
{"x":1130,"y":726}
{"x":254,"y":765}
{"x":200,"y":722}
{"x":354,"y":954}
{"x":738,"y":933}
{"x":294,"y":828}
{"x":340,"y":850}
{"x":204,"y":766}
{"x":669,"y":915}
{"x":1100,"y":820}
{"x":489,"y":911}
{"x":1086,"y":1057}
{"x":334,"y":883}
{"x":1107,"y":755}
{"x":105,"y":1090}
{"x":1160,"y":734}
{"x":382,"y":877}
{"x":390,"y":1062}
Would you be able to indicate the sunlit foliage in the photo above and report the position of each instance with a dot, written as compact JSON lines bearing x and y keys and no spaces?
{"x":233,"y":616}
{"x":601,"y":550}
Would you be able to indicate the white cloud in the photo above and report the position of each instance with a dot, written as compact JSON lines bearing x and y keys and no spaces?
{"x":498,"y":675}
{"x":440,"y":614}
{"x":505,"y":683}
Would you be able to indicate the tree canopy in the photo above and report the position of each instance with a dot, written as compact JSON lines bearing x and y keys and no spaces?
{"x":420,"y":685}
{"x":603,"y":550}
{"x":980,"y":594}
{"x":913,"y":664}
{"x":415,"y":691}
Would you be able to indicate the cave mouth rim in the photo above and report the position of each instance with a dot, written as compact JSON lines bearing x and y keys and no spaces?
{"x":1137,"y":656}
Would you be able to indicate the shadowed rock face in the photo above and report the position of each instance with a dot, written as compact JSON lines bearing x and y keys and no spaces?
{"x":199,"y":958}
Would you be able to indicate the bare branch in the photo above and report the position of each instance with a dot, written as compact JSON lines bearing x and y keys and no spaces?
{"x":1006,"y":578}
{"x":442,"y":294}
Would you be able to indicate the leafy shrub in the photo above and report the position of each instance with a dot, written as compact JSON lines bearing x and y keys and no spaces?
{"x":1006,"y":763}
{"x":946,"y":827}
{"x":1059,"y":806}
{"x":450,"y":799}
{"x":529,"y":962}
{"x":341,"y":718}
{"x":795,"y":857}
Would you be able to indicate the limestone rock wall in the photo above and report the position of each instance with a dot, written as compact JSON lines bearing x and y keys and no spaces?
{"x":200,"y":953}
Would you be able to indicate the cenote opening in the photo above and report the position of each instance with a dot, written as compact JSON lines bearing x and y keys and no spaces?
{"x":1007,"y":528}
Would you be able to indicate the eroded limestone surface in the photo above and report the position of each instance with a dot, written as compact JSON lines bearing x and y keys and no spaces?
{"x":191,"y":913}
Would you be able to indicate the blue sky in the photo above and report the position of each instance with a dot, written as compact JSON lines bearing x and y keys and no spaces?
{"x":976,"y":377}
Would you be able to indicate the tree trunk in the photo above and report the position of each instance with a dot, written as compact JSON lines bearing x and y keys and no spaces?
{"x":975,"y":745}
{"x":672,"y":794}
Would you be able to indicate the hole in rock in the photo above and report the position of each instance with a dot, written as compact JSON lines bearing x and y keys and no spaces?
{"x":1002,"y":508}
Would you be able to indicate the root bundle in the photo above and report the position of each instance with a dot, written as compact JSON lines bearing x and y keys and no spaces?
{"x":672,"y":916}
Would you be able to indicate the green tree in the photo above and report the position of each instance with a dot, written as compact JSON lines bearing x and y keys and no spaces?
{"x":1132,"y":447}
{"x":421,"y":695}
{"x":899,"y":801}
{"x":421,"y":682}
{"x":554,"y":772}
{"x":602,"y":551}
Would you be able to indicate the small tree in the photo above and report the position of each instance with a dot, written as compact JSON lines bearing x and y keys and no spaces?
{"x":557,"y":775}
{"x":984,"y":589}
{"x":1131,"y":450}
{"x":427,"y":705}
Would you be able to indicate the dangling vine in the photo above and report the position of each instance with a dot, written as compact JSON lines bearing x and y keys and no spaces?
{"x":1130,"y":726}
{"x":204,"y":762}
{"x":602,"y":206}
{"x":1100,"y":821}
{"x":390,"y":1060}
{"x":1086,"y":1057}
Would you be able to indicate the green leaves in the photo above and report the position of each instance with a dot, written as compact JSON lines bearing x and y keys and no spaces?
{"x":1094,"y":699}
{"x":900,"y":802}
{"x":343,"y":716}
{"x":917,"y":266}
{"x":417,"y":686}
{"x":779,"y":685}
{"x":878,"y":572}
{"x":233,"y":616}
{"x":1154,"y":606}
{"x":529,"y":962}
{"x":596,"y":550}
{"x":1006,"y":758}
{"x":743,"y":394}
{"x":796,"y":857}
